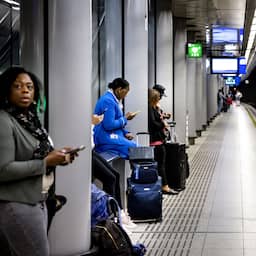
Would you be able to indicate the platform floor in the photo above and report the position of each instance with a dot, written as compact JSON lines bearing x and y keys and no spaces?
{"x":216,"y":214}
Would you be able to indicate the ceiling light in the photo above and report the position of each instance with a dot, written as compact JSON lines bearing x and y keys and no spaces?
{"x":251,"y":40}
{"x":12,"y":2}
{"x":253,"y":27}
{"x":16,"y":8}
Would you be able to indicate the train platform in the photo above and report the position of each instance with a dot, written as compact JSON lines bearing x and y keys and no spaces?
{"x":216,"y":214}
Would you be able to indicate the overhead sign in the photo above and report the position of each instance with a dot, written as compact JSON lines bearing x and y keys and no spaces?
{"x":242,"y":65}
{"x":195,"y":50}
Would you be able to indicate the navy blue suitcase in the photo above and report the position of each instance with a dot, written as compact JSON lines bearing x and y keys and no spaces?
{"x":144,"y":171}
{"x":144,"y":201}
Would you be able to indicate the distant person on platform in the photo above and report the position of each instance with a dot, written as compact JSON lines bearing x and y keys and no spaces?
{"x":238,"y":97}
{"x":220,"y":99}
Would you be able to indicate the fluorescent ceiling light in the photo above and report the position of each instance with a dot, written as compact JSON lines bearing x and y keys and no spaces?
{"x":11,"y":2}
{"x":254,"y":20}
{"x":253,"y":27}
{"x":16,"y":8}
{"x":230,"y":47}
{"x":251,"y":39}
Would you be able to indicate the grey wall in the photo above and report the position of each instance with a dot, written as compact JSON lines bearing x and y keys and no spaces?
{"x":70,"y":119}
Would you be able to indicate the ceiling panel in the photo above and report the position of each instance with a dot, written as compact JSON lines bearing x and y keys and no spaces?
{"x":206,"y":13}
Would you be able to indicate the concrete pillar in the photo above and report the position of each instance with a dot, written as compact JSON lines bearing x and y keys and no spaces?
{"x":212,"y":90}
{"x":136,"y":62}
{"x":191,"y":107}
{"x":180,"y":82}
{"x":204,"y":94}
{"x":113,"y":21}
{"x":70,"y":55}
{"x":199,"y":96}
{"x":32,"y":36}
{"x":164,"y":52}
{"x":32,"y":43}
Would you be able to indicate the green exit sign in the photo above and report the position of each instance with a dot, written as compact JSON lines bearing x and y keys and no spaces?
{"x":195,"y":50}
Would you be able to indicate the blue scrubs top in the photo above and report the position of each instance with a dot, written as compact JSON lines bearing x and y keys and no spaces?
{"x":109,"y":135}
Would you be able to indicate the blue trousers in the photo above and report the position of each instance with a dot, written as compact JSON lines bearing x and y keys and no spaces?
{"x":23,"y":229}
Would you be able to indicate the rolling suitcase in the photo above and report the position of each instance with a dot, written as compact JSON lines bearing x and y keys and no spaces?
{"x":145,"y":201}
{"x":176,"y":165}
{"x":144,"y":188}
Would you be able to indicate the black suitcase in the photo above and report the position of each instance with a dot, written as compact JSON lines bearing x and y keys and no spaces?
{"x":144,"y":201}
{"x":176,"y":165}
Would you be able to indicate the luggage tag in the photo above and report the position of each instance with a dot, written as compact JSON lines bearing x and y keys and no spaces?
{"x":113,"y":136}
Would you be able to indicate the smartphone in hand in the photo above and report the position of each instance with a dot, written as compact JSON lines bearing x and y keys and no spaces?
{"x":136,"y":112}
{"x":75,"y":150}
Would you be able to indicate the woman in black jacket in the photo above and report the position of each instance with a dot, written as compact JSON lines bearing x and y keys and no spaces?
{"x":156,"y":127}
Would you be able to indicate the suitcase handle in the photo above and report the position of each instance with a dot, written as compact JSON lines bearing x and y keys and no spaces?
{"x":146,"y":138}
{"x":172,"y":123}
{"x":142,"y":133}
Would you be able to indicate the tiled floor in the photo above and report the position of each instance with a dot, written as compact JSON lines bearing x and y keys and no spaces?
{"x":216,"y":214}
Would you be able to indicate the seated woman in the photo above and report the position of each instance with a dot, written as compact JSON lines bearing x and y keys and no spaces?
{"x":156,"y":126}
{"x":110,"y":134}
{"x":109,"y":177}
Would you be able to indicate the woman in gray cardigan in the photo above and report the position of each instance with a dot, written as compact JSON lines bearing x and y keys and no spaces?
{"x":27,"y":162}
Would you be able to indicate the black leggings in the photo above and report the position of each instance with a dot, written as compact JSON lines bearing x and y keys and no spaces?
{"x":160,"y":156}
{"x":110,"y":178}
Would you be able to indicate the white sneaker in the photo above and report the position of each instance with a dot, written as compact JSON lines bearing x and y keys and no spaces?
{"x":126,"y":220}
{"x":129,"y":232}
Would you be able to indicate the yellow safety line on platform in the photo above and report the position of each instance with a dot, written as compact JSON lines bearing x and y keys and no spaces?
{"x":251,"y":116}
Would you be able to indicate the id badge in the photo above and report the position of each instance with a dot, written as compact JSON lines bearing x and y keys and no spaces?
{"x":113,"y":136}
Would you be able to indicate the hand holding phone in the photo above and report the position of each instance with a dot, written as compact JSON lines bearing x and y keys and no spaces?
{"x":136,"y":112}
{"x":131,"y":115}
{"x":75,"y":150}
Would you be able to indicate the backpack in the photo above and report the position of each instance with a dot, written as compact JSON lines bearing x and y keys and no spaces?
{"x":111,"y":239}
{"x":99,"y":205}
{"x":107,"y":233}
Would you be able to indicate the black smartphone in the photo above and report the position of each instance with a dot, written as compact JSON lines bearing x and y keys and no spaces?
{"x":75,"y":150}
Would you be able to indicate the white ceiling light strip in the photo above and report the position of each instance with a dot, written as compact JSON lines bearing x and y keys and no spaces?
{"x":12,"y":2}
{"x":251,"y":39}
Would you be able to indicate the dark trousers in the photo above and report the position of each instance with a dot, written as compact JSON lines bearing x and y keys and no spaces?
{"x":109,"y":177}
{"x":160,"y":156}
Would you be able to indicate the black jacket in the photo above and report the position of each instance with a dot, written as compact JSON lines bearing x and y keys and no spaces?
{"x":155,"y":125}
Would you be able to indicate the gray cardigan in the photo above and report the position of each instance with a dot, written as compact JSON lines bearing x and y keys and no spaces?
{"x":20,"y":176}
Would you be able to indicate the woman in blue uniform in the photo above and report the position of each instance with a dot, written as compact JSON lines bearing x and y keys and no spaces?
{"x":110,"y":134}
